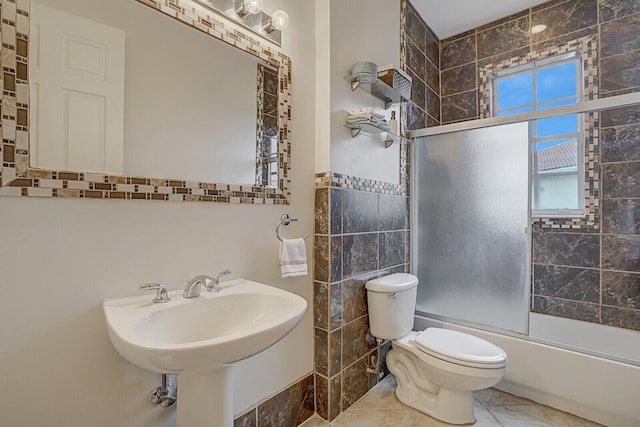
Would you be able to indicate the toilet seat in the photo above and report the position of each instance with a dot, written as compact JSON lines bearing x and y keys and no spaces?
{"x":460,"y":348}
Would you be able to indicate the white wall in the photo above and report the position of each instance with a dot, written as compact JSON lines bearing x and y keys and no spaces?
{"x":59,"y":259}
{"x":323,"y":86}
{"x":361,"y":30}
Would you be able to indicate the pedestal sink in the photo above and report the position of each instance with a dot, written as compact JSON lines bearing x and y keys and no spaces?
{"x":200,"y":339}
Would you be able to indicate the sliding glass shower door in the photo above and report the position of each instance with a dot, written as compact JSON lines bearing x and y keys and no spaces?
{"x":471,"y":210}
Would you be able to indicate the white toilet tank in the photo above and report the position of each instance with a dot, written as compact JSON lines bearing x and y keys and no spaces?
{"x":392,"y":302}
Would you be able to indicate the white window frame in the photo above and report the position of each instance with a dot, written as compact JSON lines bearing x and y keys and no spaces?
{"x":535,"y":140}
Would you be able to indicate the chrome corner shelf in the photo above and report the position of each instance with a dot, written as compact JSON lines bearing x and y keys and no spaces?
{"x":386,"y":94}
{"x":356,"y":128}
{"x":379,"y":89}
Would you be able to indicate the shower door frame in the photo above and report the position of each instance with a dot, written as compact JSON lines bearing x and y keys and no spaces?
{"x":625,"y":100}
{"x":528,"y":231}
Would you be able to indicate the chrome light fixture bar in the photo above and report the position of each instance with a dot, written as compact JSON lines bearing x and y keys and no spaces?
{"x":248,"y":14}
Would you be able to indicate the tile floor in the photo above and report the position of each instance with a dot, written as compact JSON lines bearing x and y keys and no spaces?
{"x":494,"y":408}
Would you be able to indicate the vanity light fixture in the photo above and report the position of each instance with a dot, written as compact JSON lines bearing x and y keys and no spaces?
{"x":249,"y":14}
{"x":246,"y":7}
{"x":278,"y":21}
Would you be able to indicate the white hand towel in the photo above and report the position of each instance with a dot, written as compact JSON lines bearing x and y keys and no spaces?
{"x":293,"y":257}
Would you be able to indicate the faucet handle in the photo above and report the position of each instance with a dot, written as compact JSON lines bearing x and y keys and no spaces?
{"x":215,"y":287}
{"x":217,"y":276}
{"x":161,"y":291}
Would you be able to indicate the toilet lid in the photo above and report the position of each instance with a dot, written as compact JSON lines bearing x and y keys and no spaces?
{"x":459,"y":347}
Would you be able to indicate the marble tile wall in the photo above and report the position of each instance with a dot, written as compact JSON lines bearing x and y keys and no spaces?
{"x":289,"y":408}
{"x":591,"y":273}
{"x":614,"y":22}
{"x":594,"y":275}
{"x":359,"y":235}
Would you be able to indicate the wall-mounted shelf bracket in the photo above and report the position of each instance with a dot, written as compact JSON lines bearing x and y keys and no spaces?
{"x":372,"y":128}
{"x":379,"y":89}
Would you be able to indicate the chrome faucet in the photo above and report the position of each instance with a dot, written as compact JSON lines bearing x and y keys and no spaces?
{"x":194,"y":285}
{"x":212,"y":284}
{"x":161,"y":291}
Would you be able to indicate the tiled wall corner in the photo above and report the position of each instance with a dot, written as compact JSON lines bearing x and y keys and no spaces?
{"x":288,"y":408}
{"x":420,"y":58}
{"x":364,"y":234}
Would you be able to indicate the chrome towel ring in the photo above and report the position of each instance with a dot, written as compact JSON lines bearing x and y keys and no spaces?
{"x":286,"y":220}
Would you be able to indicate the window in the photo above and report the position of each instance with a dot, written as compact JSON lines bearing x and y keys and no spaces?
{"x":557,"y":167}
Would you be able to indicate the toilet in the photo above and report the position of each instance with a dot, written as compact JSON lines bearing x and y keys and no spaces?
{"x":437,"y":369}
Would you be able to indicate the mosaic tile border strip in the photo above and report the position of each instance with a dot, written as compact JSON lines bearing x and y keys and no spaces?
{"x":347,"y":182}
{"x":405,"y":165}
{"x":18,"y":179}
{"x":403,"y":32}
{"x":588,"y":47}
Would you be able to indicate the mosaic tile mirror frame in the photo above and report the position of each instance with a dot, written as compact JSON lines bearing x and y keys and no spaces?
{"x":17,"y":178}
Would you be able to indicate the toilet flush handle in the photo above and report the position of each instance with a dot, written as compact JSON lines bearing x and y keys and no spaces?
{"x":393,"y":295}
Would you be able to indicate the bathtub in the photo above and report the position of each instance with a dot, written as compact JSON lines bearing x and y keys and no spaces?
{"x":592,"y":387}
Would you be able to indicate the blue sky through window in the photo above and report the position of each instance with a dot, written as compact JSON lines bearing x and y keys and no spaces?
{"x":553,"y":86}
{"x":515,"y":91}
{"x":556,"y":82}
{"x":557,"y":125}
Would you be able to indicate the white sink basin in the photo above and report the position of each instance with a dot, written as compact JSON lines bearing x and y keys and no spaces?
{"x":200,"y":338}
{"x":202,"y":334}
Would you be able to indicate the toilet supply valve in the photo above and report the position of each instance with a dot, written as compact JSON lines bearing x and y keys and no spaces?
{"x":375,"y":362}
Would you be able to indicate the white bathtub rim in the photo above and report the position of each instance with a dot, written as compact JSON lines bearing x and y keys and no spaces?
{"x":531,"y":339}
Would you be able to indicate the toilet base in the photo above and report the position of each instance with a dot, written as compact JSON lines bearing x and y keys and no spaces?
{"x":415,"y":390}
{"x":450,"y":406}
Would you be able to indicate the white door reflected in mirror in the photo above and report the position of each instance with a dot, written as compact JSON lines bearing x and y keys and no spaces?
{"x":76,"y":93}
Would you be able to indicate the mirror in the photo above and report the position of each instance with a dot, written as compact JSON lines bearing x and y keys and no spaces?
{"x":199,"y":117}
